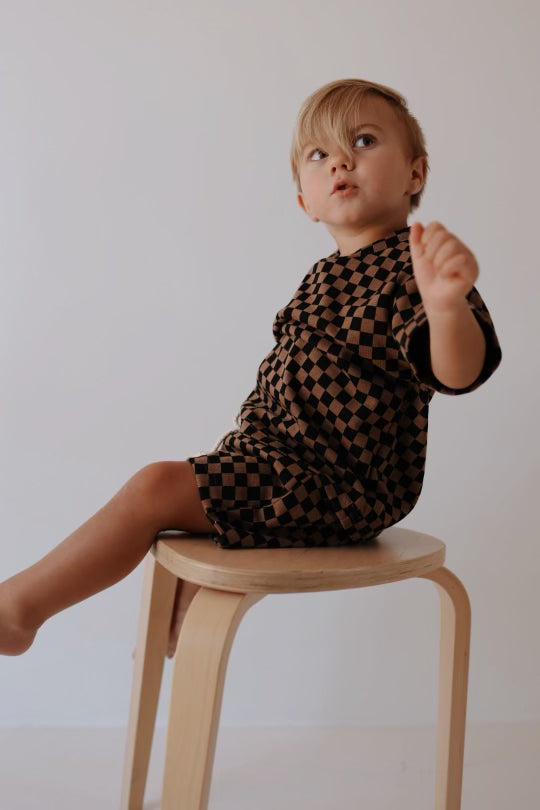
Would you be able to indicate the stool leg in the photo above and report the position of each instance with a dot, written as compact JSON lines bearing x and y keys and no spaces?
{"x":159,"y":588}
{"x":200,"y":665}
{"x":453,"y":681}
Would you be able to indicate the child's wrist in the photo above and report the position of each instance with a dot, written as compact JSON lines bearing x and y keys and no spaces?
{"x":447,"y":312}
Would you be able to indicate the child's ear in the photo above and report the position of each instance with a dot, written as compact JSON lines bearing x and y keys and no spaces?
{"x":419,"y":173}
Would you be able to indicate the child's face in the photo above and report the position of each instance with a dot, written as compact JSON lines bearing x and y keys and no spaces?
{"x":381,"y":171}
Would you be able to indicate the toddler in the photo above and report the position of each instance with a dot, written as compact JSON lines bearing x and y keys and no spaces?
{"x":329,"y":447}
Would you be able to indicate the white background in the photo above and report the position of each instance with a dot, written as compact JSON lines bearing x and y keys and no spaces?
{"x":149,"y":232}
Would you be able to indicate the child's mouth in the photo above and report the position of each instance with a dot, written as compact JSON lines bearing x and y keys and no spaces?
{"x":345,"y":192}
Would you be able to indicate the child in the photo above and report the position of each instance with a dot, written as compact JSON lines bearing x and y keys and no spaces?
{"x":329,"y":447}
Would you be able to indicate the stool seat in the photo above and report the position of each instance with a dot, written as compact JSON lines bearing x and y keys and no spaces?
{"x":395,"y":554}
{"x":232,"y":581}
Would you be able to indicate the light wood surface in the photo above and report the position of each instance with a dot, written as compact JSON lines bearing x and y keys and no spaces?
{"x":397,"y":554}
{"x":231,"y":582}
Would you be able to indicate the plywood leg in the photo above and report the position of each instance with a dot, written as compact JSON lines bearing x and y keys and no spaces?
{"x":453,"y":682}
{"x":200,"y":665}
{"x":159,"y":588}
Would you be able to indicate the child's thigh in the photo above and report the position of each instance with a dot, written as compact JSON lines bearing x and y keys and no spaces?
{"x":168,"y":494}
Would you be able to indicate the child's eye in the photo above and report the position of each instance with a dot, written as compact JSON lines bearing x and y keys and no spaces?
{"x":365,"y":135}
{"x":362,"y":135}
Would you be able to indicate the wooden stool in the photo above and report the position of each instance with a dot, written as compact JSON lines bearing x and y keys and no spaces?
{"x":232,"y":581}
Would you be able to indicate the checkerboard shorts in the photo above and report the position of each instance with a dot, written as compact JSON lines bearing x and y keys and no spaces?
{"x":245,"y":498}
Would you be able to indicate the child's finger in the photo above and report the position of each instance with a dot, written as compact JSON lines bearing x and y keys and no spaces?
{"x":416,"y":233}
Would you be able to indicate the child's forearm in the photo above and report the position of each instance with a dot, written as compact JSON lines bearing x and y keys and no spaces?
{"x":457,"y":346}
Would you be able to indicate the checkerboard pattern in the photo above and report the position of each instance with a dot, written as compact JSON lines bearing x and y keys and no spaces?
{"x":329,"y":447}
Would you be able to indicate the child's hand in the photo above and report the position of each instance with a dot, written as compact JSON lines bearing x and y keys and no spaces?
{"x":445,"y":269}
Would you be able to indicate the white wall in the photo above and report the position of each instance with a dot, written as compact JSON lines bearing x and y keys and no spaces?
{"x":150,"y":232}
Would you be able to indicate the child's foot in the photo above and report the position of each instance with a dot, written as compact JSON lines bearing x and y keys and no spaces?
{"x":14,"y":637}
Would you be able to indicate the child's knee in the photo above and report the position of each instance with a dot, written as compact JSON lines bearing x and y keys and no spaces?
{"x":159,"y":489}
{"x":155,"y":478}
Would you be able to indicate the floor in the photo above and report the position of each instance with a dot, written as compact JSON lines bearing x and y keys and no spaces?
{"x":272,"y":767}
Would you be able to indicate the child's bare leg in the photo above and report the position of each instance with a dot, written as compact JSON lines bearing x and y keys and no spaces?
{"x":185,"y":591}
{"x":106,"y":548}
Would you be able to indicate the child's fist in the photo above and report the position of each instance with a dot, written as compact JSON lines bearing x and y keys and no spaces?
{"x":445,"y":269}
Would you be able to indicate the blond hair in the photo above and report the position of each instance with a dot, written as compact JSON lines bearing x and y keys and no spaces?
{"x":335,"y":107}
